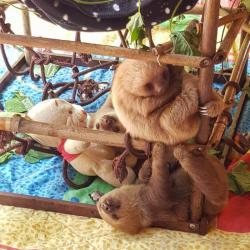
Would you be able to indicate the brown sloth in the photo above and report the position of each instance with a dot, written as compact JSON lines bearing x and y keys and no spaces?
{"x":159,"y":103}
{"x":165,"y":199}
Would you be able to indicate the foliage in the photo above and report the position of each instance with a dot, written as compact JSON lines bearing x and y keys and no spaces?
{"x":185,"y":43}
{"x":239,"y":178}
{"x":136,"y":30}
{"x":19,"y":103}
{"x":5,"y":157}
{"x":49,"y":70}
{"x":34,"y":156}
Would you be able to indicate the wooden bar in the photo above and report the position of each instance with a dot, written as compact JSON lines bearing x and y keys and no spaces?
{"x":221,"y":121}
{"x":232,"y":17}
{"x":7,"y":76}
{"x":22,"y":125}
{"x":33,"y":202}
{"x":26,"y":31}
{"x":208,"y":48}
{"x":231,"y":35}
{"x":106,"y":50}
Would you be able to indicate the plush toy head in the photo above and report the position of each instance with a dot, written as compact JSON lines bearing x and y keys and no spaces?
{"x":56,"y":111}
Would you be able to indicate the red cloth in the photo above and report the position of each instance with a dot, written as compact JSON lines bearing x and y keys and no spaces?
{"x":66,"y":156}
{"x":235,"y":217}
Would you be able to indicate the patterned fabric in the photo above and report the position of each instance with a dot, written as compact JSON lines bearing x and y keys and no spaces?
{"x":29,"y":229}
{"x":113,"y":15}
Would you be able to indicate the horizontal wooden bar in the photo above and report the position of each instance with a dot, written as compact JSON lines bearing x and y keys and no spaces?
{"x":38,"y":203}
{"x":232,"y":17}
{"x":22,"y":125}
{"x":80,"y":47}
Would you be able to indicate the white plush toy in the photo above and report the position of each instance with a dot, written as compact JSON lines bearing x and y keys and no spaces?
{"x":87,"y":158}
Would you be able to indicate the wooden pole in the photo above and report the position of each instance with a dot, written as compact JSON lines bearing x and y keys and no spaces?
{"x":33,"y":202}
{"x":98,"y":49}
{"x":221,"y":122}
{"x":208,"y":49}
{"x":26,"y":31}
{"x":17,"y":123}
{"x":231,"y":35}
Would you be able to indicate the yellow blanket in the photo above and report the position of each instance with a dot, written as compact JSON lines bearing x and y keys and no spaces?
{"x":30,"y":229}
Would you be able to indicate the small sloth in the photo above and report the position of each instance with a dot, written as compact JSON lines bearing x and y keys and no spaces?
{"x":165,"y":198}
{"x":159,"y":103}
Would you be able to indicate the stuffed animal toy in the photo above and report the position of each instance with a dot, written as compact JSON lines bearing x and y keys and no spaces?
{"x":87,"y":158}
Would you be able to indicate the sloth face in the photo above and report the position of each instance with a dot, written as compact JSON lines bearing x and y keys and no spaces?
{"x":120,"y":209}
{"x":145,"y":79}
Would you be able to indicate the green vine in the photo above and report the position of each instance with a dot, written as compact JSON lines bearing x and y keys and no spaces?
{"x":173,"y":14}
{"x":13,"y":4}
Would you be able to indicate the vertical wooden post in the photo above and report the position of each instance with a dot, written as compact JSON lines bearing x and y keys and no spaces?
{"x":208,"y":48}
{"x":26,"y":31}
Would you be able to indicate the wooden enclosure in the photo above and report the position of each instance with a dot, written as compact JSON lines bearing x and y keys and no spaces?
{"x":213,"y":17}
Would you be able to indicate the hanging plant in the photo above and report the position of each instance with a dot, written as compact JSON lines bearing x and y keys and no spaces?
{"x":136,"y":29}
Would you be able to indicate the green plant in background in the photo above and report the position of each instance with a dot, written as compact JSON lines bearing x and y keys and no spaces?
{"x":136,"y":29}
{"x":186,"y":42}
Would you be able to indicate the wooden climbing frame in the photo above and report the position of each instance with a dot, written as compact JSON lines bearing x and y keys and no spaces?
{"x":213,"y":17}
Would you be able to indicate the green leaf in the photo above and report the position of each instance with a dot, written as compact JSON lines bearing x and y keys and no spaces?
{"x":239,"y":178}
{"x":185,"y":43}
{"x":19,"y":103}
{"x":5,"y":157}
{"x":213,"y":151}
{"x":179,"y":23}
{"x":34,"y":156}
{"x":49,"y":70}
{"x":136,"y":29}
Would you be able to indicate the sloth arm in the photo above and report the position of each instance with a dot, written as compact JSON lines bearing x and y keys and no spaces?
{"x":184,"y":105}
